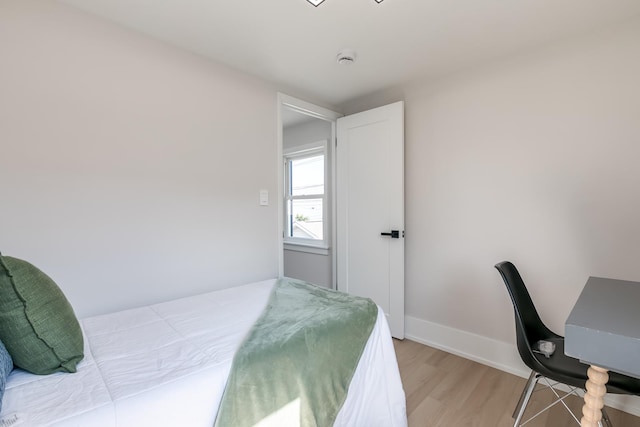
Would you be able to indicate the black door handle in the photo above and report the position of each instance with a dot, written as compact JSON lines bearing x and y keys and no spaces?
{"x":395,"y":234}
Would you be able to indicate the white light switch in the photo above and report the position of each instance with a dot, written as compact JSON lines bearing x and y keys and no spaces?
{"x":264,"y":198}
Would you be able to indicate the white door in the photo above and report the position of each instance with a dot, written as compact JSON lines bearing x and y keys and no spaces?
{"x":370,"y":207}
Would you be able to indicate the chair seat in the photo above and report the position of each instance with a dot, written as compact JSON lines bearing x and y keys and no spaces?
{"x":562,"y":368}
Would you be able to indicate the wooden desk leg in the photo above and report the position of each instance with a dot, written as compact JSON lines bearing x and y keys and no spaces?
{"x":594,"y":398}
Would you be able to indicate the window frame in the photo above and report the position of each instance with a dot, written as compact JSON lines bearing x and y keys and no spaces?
{"x":301,"y":152}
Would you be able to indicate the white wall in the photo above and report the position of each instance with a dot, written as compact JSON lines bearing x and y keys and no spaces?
{"x":306,"y":133}
{"x":533,"y":159}
{"x":312,"y":267}
{"x":129,"y":173}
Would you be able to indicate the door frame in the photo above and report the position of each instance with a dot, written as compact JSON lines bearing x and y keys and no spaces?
{"x":312,"y":110}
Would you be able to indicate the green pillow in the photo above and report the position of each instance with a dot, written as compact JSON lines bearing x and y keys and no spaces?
{"x":37,"y":324}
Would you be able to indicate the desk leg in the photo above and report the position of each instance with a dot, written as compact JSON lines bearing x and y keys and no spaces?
{"x":594,"y":398}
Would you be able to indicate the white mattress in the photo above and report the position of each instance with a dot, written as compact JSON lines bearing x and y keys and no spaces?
{"x":167,"y":365}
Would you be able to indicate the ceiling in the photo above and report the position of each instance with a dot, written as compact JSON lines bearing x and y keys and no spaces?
{"x":294,"y":44}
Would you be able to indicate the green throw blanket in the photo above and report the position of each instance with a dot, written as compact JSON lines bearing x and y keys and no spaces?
{"x":301,"y":352}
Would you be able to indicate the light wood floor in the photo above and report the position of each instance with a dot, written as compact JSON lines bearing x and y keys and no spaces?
{"x":444,"y":390}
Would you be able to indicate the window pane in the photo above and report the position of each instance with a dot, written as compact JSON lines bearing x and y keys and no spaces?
{"x":305,"y":219}
{"x":307,"y":176}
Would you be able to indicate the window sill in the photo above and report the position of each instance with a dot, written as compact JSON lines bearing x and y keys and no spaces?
{"x":311,"y":249}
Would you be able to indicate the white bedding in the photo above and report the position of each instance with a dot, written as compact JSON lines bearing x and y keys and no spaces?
{"x":167,"y":365}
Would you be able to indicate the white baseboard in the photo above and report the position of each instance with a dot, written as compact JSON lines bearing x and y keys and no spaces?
{"x":497,"y":354}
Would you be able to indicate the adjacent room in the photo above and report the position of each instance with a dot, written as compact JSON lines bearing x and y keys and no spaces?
{"x":155,"y":152}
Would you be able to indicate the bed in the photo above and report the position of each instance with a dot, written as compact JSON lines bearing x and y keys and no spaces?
{"x":167,"y":365}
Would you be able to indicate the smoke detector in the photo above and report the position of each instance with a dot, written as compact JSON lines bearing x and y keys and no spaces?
{"x":346,"y":57}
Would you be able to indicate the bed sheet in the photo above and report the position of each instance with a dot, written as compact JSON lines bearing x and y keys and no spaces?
{"x":167,"y":364}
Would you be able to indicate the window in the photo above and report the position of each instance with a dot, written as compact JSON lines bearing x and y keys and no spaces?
{"x":304,"y":195}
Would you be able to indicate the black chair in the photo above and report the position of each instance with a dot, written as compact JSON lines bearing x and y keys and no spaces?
{"x":558,"y":367}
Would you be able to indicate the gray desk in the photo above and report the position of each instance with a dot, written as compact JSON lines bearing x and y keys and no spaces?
{"x":603,"y":330}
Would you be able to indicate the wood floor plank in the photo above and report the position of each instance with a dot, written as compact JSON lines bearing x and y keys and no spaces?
{"x":444,"y":390}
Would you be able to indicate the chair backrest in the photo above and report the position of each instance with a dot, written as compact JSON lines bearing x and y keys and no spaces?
{"x":529,"y":326}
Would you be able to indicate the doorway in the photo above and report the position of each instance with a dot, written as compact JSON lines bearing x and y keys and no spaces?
{"x":343,"y":228}
{"x":306,"y":191}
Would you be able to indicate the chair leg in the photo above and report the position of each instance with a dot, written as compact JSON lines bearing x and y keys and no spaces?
{"x":606,"y":421}
{"x":524,"y":397}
